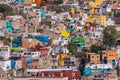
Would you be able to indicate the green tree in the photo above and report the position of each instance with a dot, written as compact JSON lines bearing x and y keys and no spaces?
{"x":72,"y":47}
{"x":58,"y":1}
{"x":109,"y":36}
{"x":7,"y":41}
{"x":40,"y":30}
{"x":82,"y":60}
{"x":46,"y":22}
{"x":5,"y":9}
{"x":95,"y":48}
{"x":57,"y":9}
{"x":30,"y":36}
{"x":67,"y":20}
{"x":3,"y":38}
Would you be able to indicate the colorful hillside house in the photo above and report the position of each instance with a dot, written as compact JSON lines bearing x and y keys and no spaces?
{"x":42,"y":39}
{"x":42,"y":14}
{"x":65,"y":33}
{"x":79,"y":41}
{"x":9,"y":26}
{"x":19,"y":1}
{"x":87,"y":71}
{"x":17,"y":42}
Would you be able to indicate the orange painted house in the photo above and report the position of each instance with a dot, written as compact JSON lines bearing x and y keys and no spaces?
{"x":111,"y":55}
{"x":37,"y":2}
{"x":26,"y":43}
{"x":28,"y":2}
{"x":61,"y":58}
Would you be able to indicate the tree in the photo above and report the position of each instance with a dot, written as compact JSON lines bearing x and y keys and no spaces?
{"x":58,"y":1}
{"x":95,"y":48}
{"x":5,"y":9}
{"x":40,"y":30}
{"x":82,"y":59}
{"x":3,"y":38}
{"x":30,"y":36}
{"x":7,"y":41}
{"x":46,"y":22}
{"x":109,"y":36}
{"x":72,"y":47}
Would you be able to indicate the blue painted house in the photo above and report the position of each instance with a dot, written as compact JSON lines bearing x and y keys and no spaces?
{"x":13,"y":64}
{"x":87,"y":71}
{"x":9,"y":26}
{"x":28,"y":61}
{"x":17,"y":42}
{"x":19,"y":1}
{"x":42,"y":39}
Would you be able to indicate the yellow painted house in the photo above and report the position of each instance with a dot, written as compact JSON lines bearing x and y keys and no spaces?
{"x":96,"y":3}
{"x":101,"y":20}
{"x":93,"y":11}
{"x":65,"y":33}
{"x":72,"y":10}
{"x":60,"y":58}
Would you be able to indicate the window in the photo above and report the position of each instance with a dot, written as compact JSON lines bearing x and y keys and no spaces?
{"x":73,"y":74}
{"x":73,"y":78}
{"x":5,"y":49}
{"x":0,"y":49}
{"x":92,"y":56}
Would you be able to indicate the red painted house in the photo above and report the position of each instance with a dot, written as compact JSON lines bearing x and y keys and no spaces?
{"x":43,"y":50}
{"x":70,"y":74}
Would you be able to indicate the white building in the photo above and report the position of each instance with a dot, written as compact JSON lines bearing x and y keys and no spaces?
{"x":10,"y":1}
{"x":118,"y":54}
{"x":110,"y":22}
{"x":18,"y":64}
{"x":95,"y":35}
{"x":100,"y":67}
{"x":35,"y":54}
{"x":5,"y":52}
{"x":5,"y":65}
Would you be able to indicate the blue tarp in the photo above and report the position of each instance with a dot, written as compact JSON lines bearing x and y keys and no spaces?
{"x":43,"y":39}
